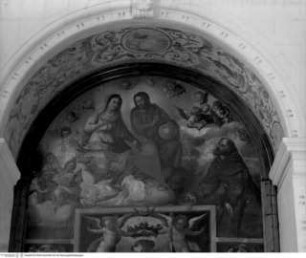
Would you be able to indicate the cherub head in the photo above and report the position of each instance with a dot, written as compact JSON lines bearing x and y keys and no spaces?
{"x":195,"y":110}
{"x":205,"y":108}
{"x":110,"y":222}
{"x":216,"y":106}
{"x":200,"y":97}
{"x":220,"y":109}
{"x":143,"y":245}
{"x":180,"y":222}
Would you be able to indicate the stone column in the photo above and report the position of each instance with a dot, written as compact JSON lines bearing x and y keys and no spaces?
{"x":288,"y":173}
{"x":9,"y":175}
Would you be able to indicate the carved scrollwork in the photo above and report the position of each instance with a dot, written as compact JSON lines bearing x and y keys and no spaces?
{"x":141,"y":44}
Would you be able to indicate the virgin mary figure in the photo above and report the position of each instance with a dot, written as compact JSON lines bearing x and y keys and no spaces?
{"x":106,"y":131}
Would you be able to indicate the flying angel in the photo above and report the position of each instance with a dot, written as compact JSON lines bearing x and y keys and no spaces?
{"x":198,"y":117}
{"x":110,"y":228}
{"x":182,"y":227}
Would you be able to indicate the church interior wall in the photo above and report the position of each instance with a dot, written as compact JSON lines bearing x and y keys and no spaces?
{"x":275,"y":29}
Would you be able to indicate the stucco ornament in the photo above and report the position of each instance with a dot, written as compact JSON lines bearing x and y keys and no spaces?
{"x":134,"y":44}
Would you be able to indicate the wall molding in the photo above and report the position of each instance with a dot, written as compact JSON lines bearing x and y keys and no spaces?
{"x":291,"y":152}
{"x":288,"y":173}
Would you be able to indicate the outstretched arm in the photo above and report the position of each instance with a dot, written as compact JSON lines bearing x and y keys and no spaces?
{"x":96,"y":224}
{"x":195,"y":233}
{"x":96,"y":230}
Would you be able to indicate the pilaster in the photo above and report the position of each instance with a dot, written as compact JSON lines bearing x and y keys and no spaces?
{"x":288,"y":173}
{"x":9,"y":175}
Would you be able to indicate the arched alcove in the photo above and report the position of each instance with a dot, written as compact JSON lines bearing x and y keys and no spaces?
{"x":172,"y":91}
{"x":30,"y":90}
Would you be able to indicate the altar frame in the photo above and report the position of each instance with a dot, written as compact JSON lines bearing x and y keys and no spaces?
{"x":210,"y":209}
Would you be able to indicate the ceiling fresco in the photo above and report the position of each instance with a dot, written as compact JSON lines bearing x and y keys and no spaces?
{"x":146,"y":164}
{"x":139,"y":44}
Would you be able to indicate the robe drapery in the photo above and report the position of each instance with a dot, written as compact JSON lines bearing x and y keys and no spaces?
{"x":154,"y":124}
{"x":107,"y":131}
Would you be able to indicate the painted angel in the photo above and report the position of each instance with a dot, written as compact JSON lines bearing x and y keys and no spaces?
{"x":111,"y":229}
{"x":181,"y":229}
{"x":198,"y":117}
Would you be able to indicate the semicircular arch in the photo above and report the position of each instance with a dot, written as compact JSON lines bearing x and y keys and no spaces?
{"x":241,"y":68}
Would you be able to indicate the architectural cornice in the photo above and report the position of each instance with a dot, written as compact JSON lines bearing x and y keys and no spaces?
{"x":292,"y":151}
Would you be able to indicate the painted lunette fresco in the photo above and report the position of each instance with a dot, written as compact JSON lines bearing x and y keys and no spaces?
{"x":145,"y":141}
{"x":140,"y":44}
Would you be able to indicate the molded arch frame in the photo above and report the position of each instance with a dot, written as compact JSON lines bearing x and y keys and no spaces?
{"x":73,"y":27}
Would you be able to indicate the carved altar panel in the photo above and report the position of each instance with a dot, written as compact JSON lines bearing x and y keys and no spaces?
{"x":150,"y":229}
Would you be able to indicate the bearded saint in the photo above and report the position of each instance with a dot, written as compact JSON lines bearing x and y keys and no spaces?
{"x":228,"y":184}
